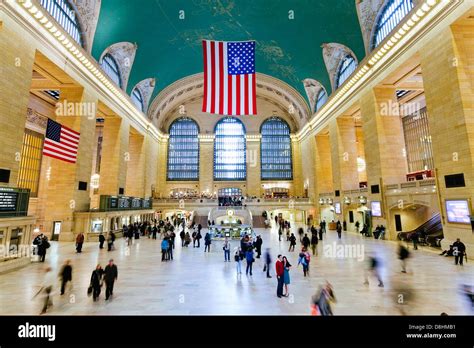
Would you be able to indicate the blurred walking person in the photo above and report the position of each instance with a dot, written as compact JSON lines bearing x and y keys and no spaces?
{"x":65,"y":275}
{"x":268,"y":261}
{"x":403,"y":255}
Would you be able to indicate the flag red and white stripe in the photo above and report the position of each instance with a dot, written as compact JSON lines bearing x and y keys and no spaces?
{"x":61,"y":142}
{"x":228,"y":91}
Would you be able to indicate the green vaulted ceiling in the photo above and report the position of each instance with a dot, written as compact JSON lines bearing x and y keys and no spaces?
{"x":169,"y":48}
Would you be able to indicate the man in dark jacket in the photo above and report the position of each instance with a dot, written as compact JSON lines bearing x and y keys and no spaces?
{"x":79,"y":242}
{"x":459,"y":250}
{"x":306,"y":242}
{"x":258,"y":246}
{"x":65,"y":275}
{"x":110,"y":276}
{"x":101,"y":241}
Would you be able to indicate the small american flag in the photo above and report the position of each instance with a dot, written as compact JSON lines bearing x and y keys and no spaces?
{"x":229,"y":78}
{"x":61,"y":142}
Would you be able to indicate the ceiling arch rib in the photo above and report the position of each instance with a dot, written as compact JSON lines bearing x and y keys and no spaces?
{"x":333,"y":54}
{"x":88,"y":16}
{"x":268,"y":88}
{"x":312,"y":88}
{"x":124,"y":55}
{"x":146,"y":88}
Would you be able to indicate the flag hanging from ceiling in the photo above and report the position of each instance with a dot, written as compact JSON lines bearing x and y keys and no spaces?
{"x":229,"y":78}
{"x":61,"y":142}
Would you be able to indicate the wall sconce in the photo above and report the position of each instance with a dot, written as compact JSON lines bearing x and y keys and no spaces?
{"x":347,"y":200}
{"x":362,"y":200}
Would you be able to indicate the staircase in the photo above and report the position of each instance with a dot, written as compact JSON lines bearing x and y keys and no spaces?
{"x":433,"y":228}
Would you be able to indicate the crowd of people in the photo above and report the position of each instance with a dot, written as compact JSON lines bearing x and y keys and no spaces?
{"x":249,"y":249}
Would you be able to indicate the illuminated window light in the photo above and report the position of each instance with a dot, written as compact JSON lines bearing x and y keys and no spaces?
{"x":27,"y":4}
{"x":33,"y":10}
{"x":415,"y":18}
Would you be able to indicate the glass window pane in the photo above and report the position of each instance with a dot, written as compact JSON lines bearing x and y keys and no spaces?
{"x":275,"y":150}
{"x":183,"y":150}
{"x":229,"y":150}
{"x":65,"y":15}
{"x":392,"y":14}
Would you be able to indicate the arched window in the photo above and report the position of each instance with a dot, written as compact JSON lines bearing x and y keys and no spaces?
{"x":275,"y":150}
{"x":322,"y":98}
{"x":346,"y":68}
{"x":110,"y":67}
{"x":137,"y":99}
{"x":64,"y":14}
{"x":229,"y":150}
{"x":392,"y":14}
{"x":183,"y":150}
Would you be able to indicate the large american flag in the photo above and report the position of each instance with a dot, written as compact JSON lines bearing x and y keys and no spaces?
{"x":61,"y":142}
{"x":229,"y":78}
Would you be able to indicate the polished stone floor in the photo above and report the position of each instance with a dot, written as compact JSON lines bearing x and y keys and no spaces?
{"x":198,"y":283}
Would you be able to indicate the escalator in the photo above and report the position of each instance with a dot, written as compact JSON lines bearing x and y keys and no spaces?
{"x":430,"y":232}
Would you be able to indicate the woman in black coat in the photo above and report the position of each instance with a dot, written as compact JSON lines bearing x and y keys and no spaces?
{"x":96,"y":282}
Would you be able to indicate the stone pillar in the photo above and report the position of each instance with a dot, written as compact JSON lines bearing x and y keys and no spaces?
{"x":63,"y":194}
{"x":448,"y":74}
{"x":298,"y":174}
{"x":342,"y":136}
{"x":253,"y":167}
{"x":161,"y":189}
{"x":151,"y":165}
{"x":16,"y":69}
{"x":115,"y":147}
{"x":323,"y":164}
{"x":383,"y":137}
{"x":308,"y":156}
{"x":206,"y":164}
{"x":135,"y":180}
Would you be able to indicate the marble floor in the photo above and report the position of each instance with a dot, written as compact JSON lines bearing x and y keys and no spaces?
{"x":198,"y":283}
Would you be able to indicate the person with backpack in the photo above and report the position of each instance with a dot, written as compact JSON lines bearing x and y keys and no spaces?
{"x":304,"y":259}
{"x":292,"y":243}
{"x":226,"y":248}
{"x":207,"y":242}
{"x":164,"y":249}
{"x":238,"y":257}
{"x":403,"y":255}
{"x":314,"y":243}
{"x":250,"y":260}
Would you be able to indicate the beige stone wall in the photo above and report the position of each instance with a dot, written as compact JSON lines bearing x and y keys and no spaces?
{"x":63,"y":195}
{"x":448,"y":74}
{"x":115,"y":146}
{"x":343,"y":139}
{"x":16,"y":67}
{"x":135,"y":181}
{"x":323,"y":164}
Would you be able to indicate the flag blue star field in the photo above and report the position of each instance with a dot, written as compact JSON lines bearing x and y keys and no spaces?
{"x":229,"y":78}
{"x":61,"y":142}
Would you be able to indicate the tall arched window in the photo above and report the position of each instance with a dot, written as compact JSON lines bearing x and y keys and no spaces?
{"x":111,"y":68}
{"x":346,"y":68}
{"x":183,"y":150}
{"x":275,"y":150}
{"x":322,"y":98}
{"x":229,"y":150}
{"x":64,"y":14}
{"x":392,"y":14}
{"x":137,"y":99}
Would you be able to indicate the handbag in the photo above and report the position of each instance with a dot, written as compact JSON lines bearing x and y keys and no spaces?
{"x":89,"y":290}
